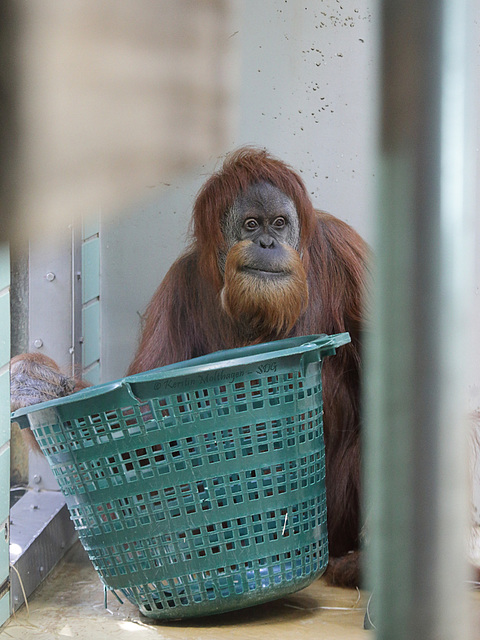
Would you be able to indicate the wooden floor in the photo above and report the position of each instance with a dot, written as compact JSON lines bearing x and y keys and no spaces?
{"x":70,"y":604}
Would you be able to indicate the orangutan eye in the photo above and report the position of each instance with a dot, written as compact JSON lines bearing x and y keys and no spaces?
{"x":279,"y":222}
{"x":251,"y":224}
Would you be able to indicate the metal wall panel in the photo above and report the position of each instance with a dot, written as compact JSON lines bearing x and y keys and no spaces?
{"x":53,"y":285}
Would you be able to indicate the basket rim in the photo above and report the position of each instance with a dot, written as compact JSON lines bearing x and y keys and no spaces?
{"x":227,"y":358}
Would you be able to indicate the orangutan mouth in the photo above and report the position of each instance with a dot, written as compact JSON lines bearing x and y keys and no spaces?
{"x":255,"y":271}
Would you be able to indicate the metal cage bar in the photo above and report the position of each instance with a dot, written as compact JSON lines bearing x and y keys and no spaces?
{"x":418,"y":357}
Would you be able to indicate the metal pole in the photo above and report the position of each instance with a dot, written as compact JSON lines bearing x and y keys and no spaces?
{"x":416,"y":362}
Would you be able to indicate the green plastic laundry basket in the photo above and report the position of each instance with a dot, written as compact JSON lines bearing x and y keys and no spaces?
{"x":198,"y":488}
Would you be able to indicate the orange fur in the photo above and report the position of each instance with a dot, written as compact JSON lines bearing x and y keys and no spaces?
{"x":190,"y":315}
{"x":34,"y":377}
{"x":266,"y":307}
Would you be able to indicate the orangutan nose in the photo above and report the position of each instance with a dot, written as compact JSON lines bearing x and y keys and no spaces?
{"x":266,"y":241}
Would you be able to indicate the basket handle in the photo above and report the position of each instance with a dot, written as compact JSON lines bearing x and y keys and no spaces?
{"x":322,"y":347}
{"x":327,"y":341}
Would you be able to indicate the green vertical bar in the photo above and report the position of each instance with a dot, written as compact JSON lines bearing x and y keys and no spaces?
{"x":5,"y":608}
{"x":91,"y":225}
{"x":91,"y":332}
{"x":416,"y":399}
{"x":91,"y":329}
{"x":4,"y":261}
{"x":4,"y":424}
{"x":91,"y":270}
{"x":4,"y":407}
{"x":4,"y":326}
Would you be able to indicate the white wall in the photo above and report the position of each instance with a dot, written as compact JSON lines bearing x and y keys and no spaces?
{"x":308,"y":95}
{"x":306,"y":77}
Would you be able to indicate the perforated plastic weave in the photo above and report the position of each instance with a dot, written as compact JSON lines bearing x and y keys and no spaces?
{"x":199,"y":487}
